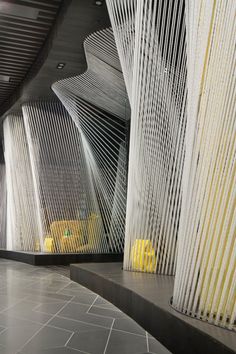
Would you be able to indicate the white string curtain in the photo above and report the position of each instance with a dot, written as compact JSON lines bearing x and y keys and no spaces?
{"x":3,"y":205}
{"x":90,"y":98}
{"x":150,"y":38}
{"x":117,"y":225}
{"x":103,"y":82}
{"x":22,"y":223}
{"x":66,"y":201}
{"x":205,"y":283}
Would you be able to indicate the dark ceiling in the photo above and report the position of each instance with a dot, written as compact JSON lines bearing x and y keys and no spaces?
{"x":24,"y":27}
{"x":37,"y":45}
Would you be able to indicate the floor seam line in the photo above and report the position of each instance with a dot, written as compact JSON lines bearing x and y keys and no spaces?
{"x":69,"y":339}
{"x":29,"y":340}
{"x":147,"y":340}
{"x":109,"y":335}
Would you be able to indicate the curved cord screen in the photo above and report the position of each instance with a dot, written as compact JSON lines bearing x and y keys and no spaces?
{"x":3,"y":205}
{"x":97,"y":103}
{"x":77,"y":167}
{"x":66,"y":202}
{"x":205,"y":283}
{"x":23,"y":228}
{"x":150,"y":38}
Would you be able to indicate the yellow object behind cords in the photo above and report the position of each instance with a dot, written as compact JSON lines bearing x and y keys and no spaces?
{"x":94,"y":231}
{"x":48,"y":243}
{"x":143,"y":256}
{"x":37,"y":246}
{"x":62,"y":242}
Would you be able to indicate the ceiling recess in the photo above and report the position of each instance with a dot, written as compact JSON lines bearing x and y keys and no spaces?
{"x":12,"y":9}
{"x":4,"y":78}
{"x":24,"y":27}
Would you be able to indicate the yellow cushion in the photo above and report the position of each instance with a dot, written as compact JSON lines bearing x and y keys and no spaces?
{"x":48,"y":241}
{"x":67,"y":235}
{"x":94,"y":234}
{"x":76,"y":235}
{"x":71,"y":243}
{"x":62,"y":227}
{"x":143,"y":256}
{"x":37,"y":246}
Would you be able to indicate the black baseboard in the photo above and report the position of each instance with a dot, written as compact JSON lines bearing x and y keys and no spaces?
{"x":145,"y":298}
{"x":44,"y":259}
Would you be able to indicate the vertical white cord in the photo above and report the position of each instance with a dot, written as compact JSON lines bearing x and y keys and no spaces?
{"x":205,"y":284}
{"x":22,"y":229}
{"x":3,"y":206}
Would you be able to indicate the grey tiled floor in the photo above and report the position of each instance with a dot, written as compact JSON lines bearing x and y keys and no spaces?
{"x":43,"y":312}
